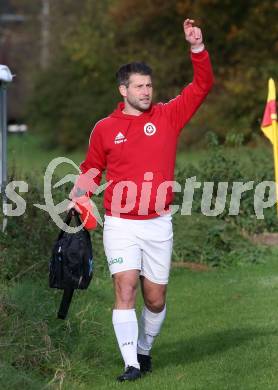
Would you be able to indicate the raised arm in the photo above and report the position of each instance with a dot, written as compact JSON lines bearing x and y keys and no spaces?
{"x":180,"y":109}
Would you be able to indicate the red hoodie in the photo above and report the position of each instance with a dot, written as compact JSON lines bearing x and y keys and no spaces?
{"x":129,"y":146}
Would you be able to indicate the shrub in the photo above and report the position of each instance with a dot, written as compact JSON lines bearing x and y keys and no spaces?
{"x":224,"y":165}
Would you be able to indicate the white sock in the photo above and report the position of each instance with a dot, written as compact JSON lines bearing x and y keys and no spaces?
{"x":150,"y":325}
{"x":126,"y":330}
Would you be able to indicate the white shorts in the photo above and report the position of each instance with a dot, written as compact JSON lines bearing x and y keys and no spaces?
{"x":145,"y":245}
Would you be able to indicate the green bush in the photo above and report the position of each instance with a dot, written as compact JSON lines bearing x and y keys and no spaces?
{"x":212,"y":241}
{"x":225,"y":165}
{"x":222,"y":240}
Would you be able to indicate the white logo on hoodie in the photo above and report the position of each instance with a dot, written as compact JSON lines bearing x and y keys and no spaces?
{"x":120,"y":138}
{"x":149,"y":129}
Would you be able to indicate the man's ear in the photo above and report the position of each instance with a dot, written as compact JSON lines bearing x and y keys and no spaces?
{"x":123,"y":91}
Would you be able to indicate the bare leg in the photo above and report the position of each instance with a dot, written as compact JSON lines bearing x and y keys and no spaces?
{"x":125,"y":286}
{"x":154,"y":295}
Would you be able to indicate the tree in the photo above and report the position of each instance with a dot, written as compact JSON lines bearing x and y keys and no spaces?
{"x":78,"y":87}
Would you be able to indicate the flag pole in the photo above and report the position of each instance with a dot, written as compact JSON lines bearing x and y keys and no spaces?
{"x":269,"y":128}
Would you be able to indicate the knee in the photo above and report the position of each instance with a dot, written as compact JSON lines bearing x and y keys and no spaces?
{"x":155,"y":305}
{"x":125,"y":295}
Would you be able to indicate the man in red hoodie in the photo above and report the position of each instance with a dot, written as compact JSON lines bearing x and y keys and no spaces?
{"x":136,"y":145}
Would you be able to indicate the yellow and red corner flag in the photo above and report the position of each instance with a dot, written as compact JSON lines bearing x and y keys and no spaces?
{"x":269,"y":127}
{"x":270,"y":114}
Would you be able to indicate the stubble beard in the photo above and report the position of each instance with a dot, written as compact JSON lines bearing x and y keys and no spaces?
{"x":140,"y":106}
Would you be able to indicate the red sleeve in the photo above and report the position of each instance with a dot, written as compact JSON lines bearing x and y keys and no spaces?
{"x":93,"y":165}
{"x":180,"y":109}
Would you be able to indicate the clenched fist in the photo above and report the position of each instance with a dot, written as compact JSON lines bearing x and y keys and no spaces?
{"x":193,"y":34}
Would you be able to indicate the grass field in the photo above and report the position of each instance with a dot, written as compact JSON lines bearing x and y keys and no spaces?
{"x":27,"y":155}
{"x":220,"y":333}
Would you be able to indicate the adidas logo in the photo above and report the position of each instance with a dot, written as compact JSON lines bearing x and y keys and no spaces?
{"x":120,"y":138}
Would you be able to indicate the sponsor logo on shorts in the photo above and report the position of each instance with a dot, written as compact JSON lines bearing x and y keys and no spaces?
{"x":117,"y":260}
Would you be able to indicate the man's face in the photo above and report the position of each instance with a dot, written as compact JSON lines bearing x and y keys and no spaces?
{"x":139,"y":92}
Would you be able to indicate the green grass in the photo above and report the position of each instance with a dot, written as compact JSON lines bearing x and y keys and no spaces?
{"x":27,"y":155}
{"x":193,"y":157}
{"x":220,"y":333}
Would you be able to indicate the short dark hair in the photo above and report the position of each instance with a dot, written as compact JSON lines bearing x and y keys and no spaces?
{"x":126,"y":70}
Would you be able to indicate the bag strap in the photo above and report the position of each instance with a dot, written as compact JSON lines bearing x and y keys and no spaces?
{"x":65,"y":303}
{"x":69,"y":216}
{"x":77,"y":218}
{"x":71,"y":213}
